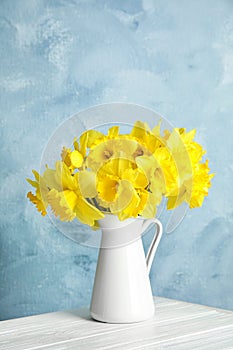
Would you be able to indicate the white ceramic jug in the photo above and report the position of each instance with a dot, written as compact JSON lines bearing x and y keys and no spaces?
{"x":122,"y":291}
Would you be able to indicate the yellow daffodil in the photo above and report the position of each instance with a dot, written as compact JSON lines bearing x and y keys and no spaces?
{"x":152,"y":200}
{"x":72,"y":159}
{"x":65,"y":156}
{"x":126,"y":202}
{"x":154,"y":170}
{"x":87,"y":139}
{"x":107,"y":188}
{"x":39,"y":199}
{"x":110,"y":149}
{"x":71,"y":201}
{"x":70,"y":204}
{"x":201,"y":184}
{"x":136,"y":176}
{"x":63,"y":204}
{"x":193,"y":190}
{"x":109,"y":177}
{"x":123,"y":174}
{"x":149,"y":140}
{"x":66,"y":194}
{"x":194,"y":177}
{"x":121,"y":188}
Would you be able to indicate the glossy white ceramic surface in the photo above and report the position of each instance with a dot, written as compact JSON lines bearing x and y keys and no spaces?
{"x":122,"y":291}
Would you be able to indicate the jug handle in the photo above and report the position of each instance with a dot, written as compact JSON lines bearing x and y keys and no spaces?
{"x":155,"y":241}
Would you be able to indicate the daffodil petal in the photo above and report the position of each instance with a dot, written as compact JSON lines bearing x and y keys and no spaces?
{"x":87,"y":213}
{"x":113,"y":131}
{"x":136,"y":177}
{"x":126,"y":197}
{"x":49,"y":177}
{"x":62,"y":204}
{"x":87,"y":183}
{"x":116,"y":167}
{"x":64,"y":178}
{"x":107,"y":188}
{"x":33,"y":183}
{"x":139,"y":130}
{"x":76,"y":159}
{"x":65,"y":156}
{"x":40,"y":205}
{"x":150,"y":208}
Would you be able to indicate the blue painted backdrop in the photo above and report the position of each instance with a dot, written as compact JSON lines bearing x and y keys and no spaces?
{"x":58,"y":57}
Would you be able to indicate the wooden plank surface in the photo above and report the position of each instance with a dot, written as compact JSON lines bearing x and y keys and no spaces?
{"x":176,"y":325}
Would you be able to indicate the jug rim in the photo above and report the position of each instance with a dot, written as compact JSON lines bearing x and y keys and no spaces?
{"x":112,"y":221}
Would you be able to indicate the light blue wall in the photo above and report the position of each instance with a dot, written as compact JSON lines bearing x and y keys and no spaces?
{"x":58,"y":57}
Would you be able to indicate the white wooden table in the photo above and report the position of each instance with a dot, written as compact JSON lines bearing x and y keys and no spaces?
{"x":176,"y":325}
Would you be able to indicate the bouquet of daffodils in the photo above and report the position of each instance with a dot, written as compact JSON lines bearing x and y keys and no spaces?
{"x":123,"y":174}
